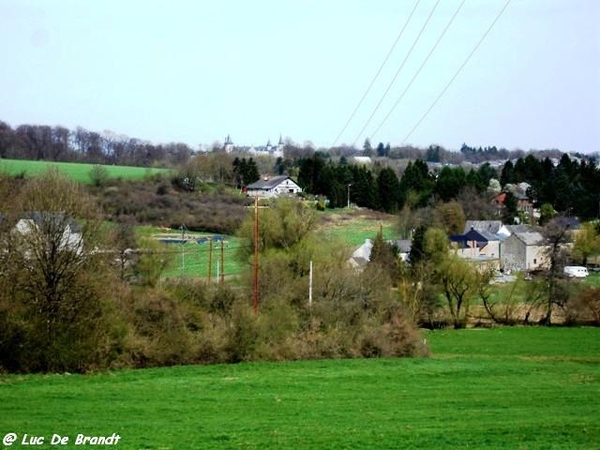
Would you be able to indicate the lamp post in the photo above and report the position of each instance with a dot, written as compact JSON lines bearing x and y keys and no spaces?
{"x":349,"y":184}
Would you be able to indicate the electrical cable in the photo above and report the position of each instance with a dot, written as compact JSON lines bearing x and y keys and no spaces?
{"x":376,"y":75}
{"x":397,"y":73}
{"x":457,"y":72}
{"x":419,"y":70}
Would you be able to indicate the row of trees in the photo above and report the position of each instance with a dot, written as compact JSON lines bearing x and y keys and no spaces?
{"x":572,"y":187}
{"x":45,"y":143}
{"x":382,"y":189}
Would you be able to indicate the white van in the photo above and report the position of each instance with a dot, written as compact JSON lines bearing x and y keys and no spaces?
{"x":576,"y":271}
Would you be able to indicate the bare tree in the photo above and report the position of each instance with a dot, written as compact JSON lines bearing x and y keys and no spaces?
{"x":556,"y":233}
{"x":58,"y":274}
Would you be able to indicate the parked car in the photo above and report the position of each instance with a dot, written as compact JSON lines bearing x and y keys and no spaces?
{"x":576,"y":271}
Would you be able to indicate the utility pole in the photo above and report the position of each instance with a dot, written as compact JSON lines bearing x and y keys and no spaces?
{"x":310,"y":284}
{"x":222,"y":277}
{"x":255,"y":279}
{"x":210,"y":249}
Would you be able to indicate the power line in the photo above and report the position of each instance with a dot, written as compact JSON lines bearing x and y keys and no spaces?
{"x":419,"y":70}
{"x":397,"y":73}
{"x":457,"y":72}
{"x":376,"y":75}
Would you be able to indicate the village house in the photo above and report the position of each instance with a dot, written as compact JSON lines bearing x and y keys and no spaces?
{"x":478,"y":246}
{"x":52,"y":225}
{"x":524,"y":251}
{"x":270,"y":187}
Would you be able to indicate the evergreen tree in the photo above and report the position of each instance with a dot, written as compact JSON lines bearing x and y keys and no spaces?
{"x":251,"y":174}
{"x":507,"y":175}
{"x":417,"y":247}
{"x":388,"y":189}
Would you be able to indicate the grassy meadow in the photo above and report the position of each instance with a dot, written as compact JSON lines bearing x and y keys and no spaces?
{"x":355,"y":225}
{"x":79,"y":172}
{"x":509,"y":388}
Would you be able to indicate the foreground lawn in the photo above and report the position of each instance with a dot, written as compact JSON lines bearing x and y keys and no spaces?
{"x":528,"y":388}
{"x":79,"y":172}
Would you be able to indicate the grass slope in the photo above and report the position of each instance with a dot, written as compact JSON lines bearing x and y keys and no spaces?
{"x":355,"y":225}
{"x":500,"y":388}
{"x":76,"y":171}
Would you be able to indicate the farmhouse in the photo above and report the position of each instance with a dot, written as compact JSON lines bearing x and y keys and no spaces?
{"x":524,"y":251}
{"x":478,"y":246}
{"x":273,"y":187}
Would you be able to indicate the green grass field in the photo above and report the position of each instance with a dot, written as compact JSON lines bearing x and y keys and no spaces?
{"x":354,"y":226}
{"x":76,"y":171}
{"x":509,"y":388}
{"x":191,"y":260}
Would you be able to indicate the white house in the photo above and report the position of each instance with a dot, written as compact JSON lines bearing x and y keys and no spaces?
{"x":270,"y":187}
{"x":49,"y":225}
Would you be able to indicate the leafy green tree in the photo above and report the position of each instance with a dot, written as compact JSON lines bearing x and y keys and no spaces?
{"x":450,"y":182}
{"x":587,"y":243}
{"x":435,"y":244}
{"x":451,"y":216}
{"x":457,"y":279}
{"x":98,"y":175}
{"x":547,"y":213}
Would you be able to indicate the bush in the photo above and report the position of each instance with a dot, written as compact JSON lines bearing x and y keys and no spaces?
{"x":585,"y":307}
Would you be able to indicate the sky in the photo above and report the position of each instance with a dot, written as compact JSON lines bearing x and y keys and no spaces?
{"x":197,"y":71}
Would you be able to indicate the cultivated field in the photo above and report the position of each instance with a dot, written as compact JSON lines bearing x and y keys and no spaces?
{"x":79,"y":172}
{"x":509,"y":388}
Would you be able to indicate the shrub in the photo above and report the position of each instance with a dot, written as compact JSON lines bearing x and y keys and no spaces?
{"x":585,"y":307}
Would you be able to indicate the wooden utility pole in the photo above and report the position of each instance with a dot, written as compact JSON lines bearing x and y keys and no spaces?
{"x":222,"y":275}
{"x":210,"y":250}
{"x":255,"y":279}
{"x":310,"y":284}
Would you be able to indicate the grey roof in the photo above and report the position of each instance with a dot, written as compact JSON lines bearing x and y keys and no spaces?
{"x":531,"y":238}
{"x":489,"y":226}
{"x":521,"y":228}
{"x":40,"y":217}
{"x":403,"y":245}
{"x":268,"y":183}
{"x":569,"y":222}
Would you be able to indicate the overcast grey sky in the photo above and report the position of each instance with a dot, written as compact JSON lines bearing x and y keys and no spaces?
{"x":196,"y":71}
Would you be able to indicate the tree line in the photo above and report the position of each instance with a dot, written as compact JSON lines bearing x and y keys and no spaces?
{"x":571,"y":187}
{"x":45,"y":143}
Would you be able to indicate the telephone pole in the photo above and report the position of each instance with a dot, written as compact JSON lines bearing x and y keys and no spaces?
{"x":255,"y":286}
{"x":222,"y":275}
{"x":210,"y":250}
